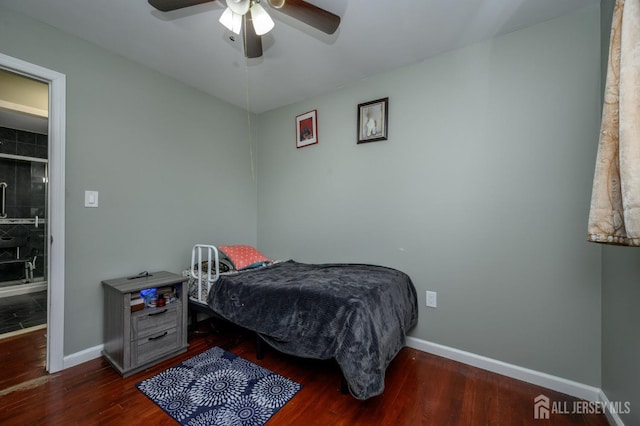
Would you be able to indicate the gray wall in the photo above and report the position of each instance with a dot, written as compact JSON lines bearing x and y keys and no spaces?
{"x":620,"y":296}
{"x":620,"y":320}
{"x":171,"y":164}
{"x":481,"y":192}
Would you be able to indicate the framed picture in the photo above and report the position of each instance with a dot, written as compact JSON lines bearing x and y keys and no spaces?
{"x":373,"y":119}
{"x":307,"y":129}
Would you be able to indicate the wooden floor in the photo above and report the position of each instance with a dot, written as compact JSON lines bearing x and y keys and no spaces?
{"x":421,"y":389}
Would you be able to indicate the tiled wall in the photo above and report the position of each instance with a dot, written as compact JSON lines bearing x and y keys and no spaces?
{"x":26,"y":197}
{"x":23,"y":143}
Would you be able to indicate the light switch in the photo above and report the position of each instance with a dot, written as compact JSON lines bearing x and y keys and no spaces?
{"x":91,"y":198}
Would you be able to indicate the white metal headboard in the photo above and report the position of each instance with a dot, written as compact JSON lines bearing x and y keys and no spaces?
{"x":209,"y":279}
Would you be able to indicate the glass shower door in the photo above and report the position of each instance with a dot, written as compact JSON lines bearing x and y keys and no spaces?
{"x":23,"y":219}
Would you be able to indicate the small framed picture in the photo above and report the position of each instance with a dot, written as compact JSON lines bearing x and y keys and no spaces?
{"x":373,"y":120}
{"x":307,"y":129}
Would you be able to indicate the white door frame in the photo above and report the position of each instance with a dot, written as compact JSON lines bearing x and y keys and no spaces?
{"x":56,"y":202}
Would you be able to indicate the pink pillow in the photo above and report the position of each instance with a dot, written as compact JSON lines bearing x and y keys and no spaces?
{"x":243,"y":257}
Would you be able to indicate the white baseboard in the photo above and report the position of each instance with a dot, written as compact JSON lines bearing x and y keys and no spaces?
{"x":82,"y":356}
{"x":612,"y":416}
{"x":569,"y":387}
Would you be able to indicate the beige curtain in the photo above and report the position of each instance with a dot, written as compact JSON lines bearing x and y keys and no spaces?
{"x":614,"y":217}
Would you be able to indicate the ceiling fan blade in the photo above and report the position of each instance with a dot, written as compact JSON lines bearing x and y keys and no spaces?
{"x":308,"y":13}
{"x":252,"y":41}
{"x":169,"y":5}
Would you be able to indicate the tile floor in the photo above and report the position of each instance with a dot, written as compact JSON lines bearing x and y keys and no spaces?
{"x":23,"y":311}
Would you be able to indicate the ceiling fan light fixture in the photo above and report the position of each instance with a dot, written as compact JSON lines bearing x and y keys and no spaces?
{"x":239,"y":7}
{"x":262,"y":22}
{"x":231,"y":20}
{"x":276,"y":4}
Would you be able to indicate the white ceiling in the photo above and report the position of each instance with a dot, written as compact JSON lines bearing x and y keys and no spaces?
{"x":299,"y":62}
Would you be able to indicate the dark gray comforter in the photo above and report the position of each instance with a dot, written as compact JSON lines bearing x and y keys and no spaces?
{"x":357,"y":314}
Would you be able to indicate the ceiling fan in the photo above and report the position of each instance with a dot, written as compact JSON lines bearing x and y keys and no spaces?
{"x":251,"y":18}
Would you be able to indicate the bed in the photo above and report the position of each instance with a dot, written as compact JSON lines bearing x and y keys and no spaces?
{"x":357,"y":314}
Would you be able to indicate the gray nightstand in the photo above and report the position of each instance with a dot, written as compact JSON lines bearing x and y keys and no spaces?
{"x":137,"y":339}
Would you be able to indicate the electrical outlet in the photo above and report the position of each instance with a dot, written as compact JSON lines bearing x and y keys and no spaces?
{"x":432,"y":299}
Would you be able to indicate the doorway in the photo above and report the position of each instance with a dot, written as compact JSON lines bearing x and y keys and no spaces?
{"x":24,"y":128}
{"x":53,"y":238}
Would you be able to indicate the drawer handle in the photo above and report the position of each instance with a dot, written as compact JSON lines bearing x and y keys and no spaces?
{"x":158,"y":337}
{"x":158,"y":313}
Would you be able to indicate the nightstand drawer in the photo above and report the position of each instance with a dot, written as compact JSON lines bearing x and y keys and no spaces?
{"x":151,"y":321}
{"x":154,"y":346}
